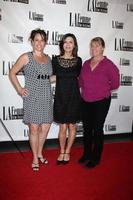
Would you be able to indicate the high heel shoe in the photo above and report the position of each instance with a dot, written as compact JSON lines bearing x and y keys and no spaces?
{"x":43,"y":160}
{"x":59,"y":162}
{"x":66,"y":161}
{"x":35,"y":167}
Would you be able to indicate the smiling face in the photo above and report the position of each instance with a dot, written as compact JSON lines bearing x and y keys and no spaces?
{"x":68,"y":45}
{"x":96,"y":49}
{"x":38,"y":42}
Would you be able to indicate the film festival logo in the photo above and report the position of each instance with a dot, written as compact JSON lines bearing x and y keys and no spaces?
{"x":59,"y":1}
{"x":110,"y":127}
{"x":126,"y":80}
{"x":124,"y":62}
{"x":7,"y":65}
{"x":123,"y":108}
{"x":114,"y":95}
{"x":117,"y":25}
{"x":97,"y":6}
{"x":35,"y":16}
{"x":54,"y":37}
{"x":129,"y":7}
{"x":123,"y":45}
{"x":26,"y":133}
{"x":19,"y":1}
{"x":12,"y":38}
{"x":77,"y":20}
{"x":79,"y":129}
{"x":12,"y":113}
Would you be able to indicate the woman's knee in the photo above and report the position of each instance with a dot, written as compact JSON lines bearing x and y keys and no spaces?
{"x":33,"y":129}
{"x":45,"y":127}
{"x":72,"y":127}
{"x":63,"y":128}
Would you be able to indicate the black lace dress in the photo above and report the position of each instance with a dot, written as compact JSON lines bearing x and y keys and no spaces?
{"x":67,"y":101}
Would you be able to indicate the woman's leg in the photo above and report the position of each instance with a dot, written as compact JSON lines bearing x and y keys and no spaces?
{"x":100,"y":113}
{"x":34,"y":141}
{"x":62,"y":140}
{"x":70,"y":141}
{"x":87,"y":119}
{"x":43,"y":132}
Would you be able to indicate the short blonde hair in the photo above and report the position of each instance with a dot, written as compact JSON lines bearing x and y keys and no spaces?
{"x":98,"y":40}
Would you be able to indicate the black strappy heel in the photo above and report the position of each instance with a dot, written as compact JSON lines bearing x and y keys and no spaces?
{"x":43,"y":160}
{"x":35,"y":167}
{"x":59,"y":162}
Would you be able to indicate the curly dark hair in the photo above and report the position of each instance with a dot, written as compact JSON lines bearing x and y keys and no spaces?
{"x":75,"y":50}
{"x":38,"y":31}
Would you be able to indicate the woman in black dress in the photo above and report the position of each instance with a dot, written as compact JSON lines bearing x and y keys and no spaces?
{"x":67,"y":100}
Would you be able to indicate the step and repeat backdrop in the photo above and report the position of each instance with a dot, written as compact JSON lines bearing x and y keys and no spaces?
{"x":110,"y":19}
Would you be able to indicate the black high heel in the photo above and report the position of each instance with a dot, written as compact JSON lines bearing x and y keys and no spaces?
{"x":66,"y":161}
{"x":43,"y":160}
{"x":35,"y":167}
{"x":59,"y":162}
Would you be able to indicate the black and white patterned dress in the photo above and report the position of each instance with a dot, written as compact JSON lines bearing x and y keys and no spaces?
{"x":38,"y":104}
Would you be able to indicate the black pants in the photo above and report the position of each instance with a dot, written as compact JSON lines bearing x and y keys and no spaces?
{"x":94,"y":115}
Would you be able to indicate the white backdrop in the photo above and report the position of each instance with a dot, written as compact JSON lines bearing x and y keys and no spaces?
{"x":110,"y":19}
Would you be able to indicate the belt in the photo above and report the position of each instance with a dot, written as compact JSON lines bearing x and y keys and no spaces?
{"x":41,"y":76}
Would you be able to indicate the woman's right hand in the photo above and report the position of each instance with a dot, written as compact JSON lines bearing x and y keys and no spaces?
{"x":23,"y":92}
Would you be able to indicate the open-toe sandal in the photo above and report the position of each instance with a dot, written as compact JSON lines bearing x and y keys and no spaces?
{"x":66,"y":161}
{"x":59,"y":162}
{"x":35,"y":167}
{"x":43,"y":160}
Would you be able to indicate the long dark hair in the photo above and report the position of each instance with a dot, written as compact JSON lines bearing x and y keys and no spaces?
{"x":75,"y":49}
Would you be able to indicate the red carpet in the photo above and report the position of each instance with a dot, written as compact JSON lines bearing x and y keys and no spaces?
{"x":111,"y":180}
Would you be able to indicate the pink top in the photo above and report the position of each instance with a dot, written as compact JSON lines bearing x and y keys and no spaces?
{"x":97,"y":84}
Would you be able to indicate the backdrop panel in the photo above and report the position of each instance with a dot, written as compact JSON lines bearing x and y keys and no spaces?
{"x":110,"y":19}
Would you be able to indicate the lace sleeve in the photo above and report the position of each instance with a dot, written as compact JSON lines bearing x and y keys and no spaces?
{"x":54,"y":65}
{"x":79,"y":65}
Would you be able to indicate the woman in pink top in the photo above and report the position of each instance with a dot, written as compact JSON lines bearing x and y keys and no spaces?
{"x":98,"y":77}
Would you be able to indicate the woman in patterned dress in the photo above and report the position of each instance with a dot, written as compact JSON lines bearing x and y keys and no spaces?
{"x":66,"y":68}
{"x":36,"y":94}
